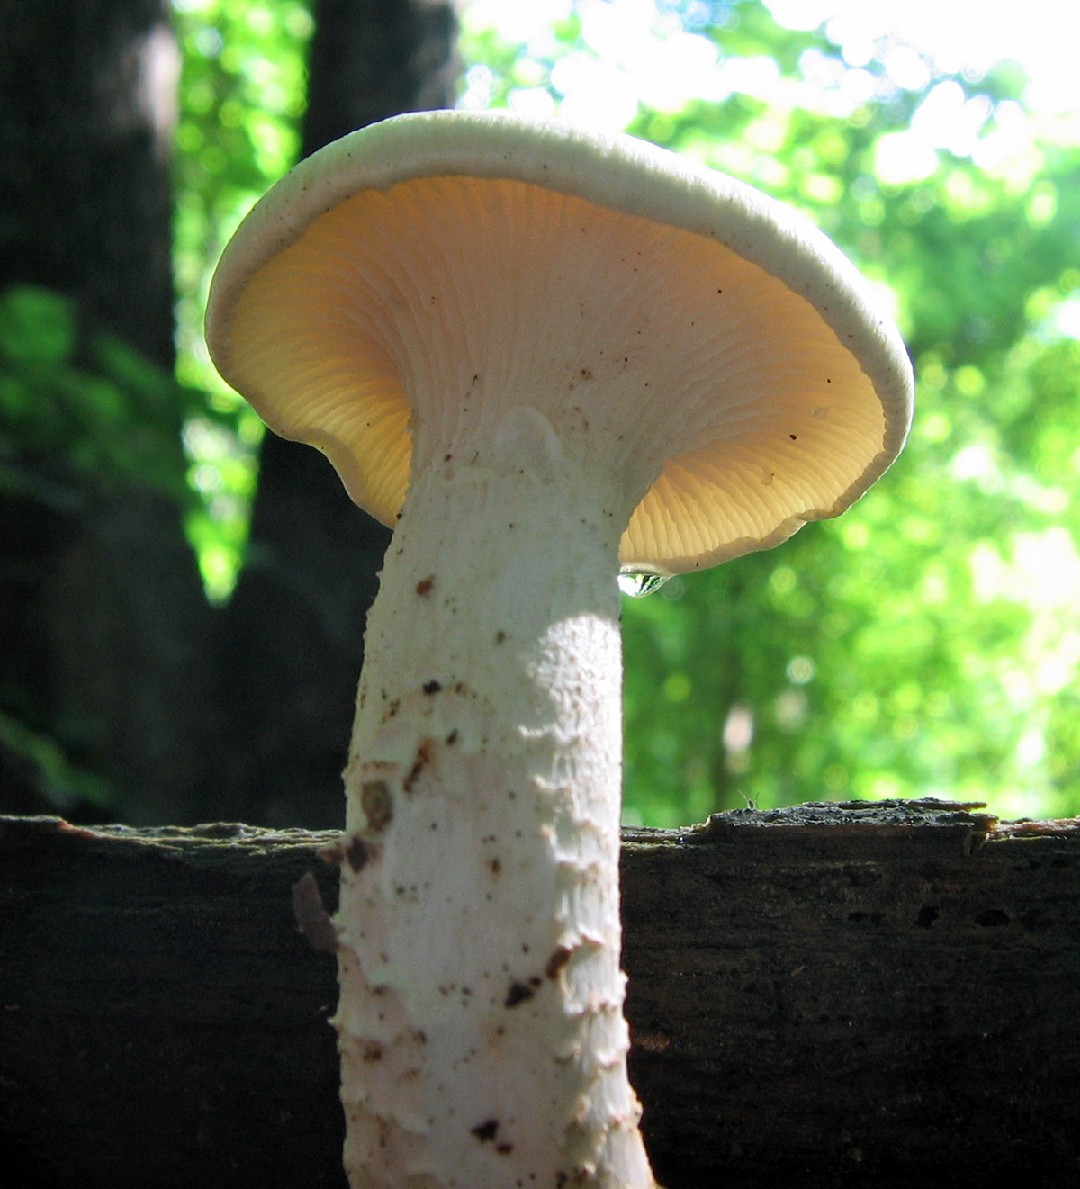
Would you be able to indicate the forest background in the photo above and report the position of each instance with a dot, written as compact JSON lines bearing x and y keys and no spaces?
{"x":182,"y":600}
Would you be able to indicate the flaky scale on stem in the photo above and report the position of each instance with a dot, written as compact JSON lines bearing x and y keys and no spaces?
{"x":480,"y":1022}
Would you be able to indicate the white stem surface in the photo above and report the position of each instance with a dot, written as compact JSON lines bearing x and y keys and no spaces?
{"x":480,"y":1024}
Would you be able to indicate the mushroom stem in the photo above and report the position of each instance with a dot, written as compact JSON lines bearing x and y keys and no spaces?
{"x":480,"y":1021}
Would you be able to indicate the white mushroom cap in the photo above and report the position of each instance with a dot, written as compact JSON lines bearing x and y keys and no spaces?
{"x":458,"y":263}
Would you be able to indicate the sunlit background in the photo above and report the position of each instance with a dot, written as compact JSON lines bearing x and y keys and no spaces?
{"x":927,"y":642}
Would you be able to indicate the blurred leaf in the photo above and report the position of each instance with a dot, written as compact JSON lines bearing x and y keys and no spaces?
{"x":81,"y":404}
{"x":37,"y":327}
{"x":925,"y":642}
{"x":44,"y":766}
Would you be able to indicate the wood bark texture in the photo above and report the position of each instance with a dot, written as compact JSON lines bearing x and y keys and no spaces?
{"x":830,"y":995}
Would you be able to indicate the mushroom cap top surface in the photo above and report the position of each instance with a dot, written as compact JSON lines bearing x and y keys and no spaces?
{"x":445,"y":262}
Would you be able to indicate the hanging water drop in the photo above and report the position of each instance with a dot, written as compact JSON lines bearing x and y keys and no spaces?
{"x":639,"y":583}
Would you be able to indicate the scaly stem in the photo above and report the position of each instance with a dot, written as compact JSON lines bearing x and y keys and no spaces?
{"x":480,"y":1023}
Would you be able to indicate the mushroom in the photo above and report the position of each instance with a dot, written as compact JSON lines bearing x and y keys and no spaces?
{"x":543,"y":356}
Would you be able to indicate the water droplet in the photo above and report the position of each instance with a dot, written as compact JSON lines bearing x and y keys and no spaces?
{"x":639,"y":583}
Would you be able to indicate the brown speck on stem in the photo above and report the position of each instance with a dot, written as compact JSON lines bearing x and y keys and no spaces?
{"x":423,"y":587}
{"x":424,"y":754}
{"x":559,"y":958}
{"x":486,"y":1131}
{"x":377,"y":804}
{"x":519,"y":992}
{"x":431,"y":687}
{"x":356,"y":853}
{"x":500,"y":637}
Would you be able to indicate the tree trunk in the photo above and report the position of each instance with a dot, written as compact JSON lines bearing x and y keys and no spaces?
{"x":293,"y":632}
{"x":99,"y":589}
{"x":371,"y":59}
{"x":829,"y":995}
{"x":88,"y":113}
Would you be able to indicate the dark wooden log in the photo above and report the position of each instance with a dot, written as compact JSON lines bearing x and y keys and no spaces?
{"x":832,"y":995}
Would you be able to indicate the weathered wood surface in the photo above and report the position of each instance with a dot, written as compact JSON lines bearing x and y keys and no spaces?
{"x":827,"y":996}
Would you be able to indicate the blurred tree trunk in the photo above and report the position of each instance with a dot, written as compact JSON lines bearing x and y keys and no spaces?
{"x":100,"y":598}
{"x":292,"y":636}
{"x":88,"y":112}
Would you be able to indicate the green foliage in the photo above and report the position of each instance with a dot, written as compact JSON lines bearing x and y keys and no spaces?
{"x":60,"y":782}
{"x":241,"y":95}
{"x":926,"y":642}
{"x":91,"y":408}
